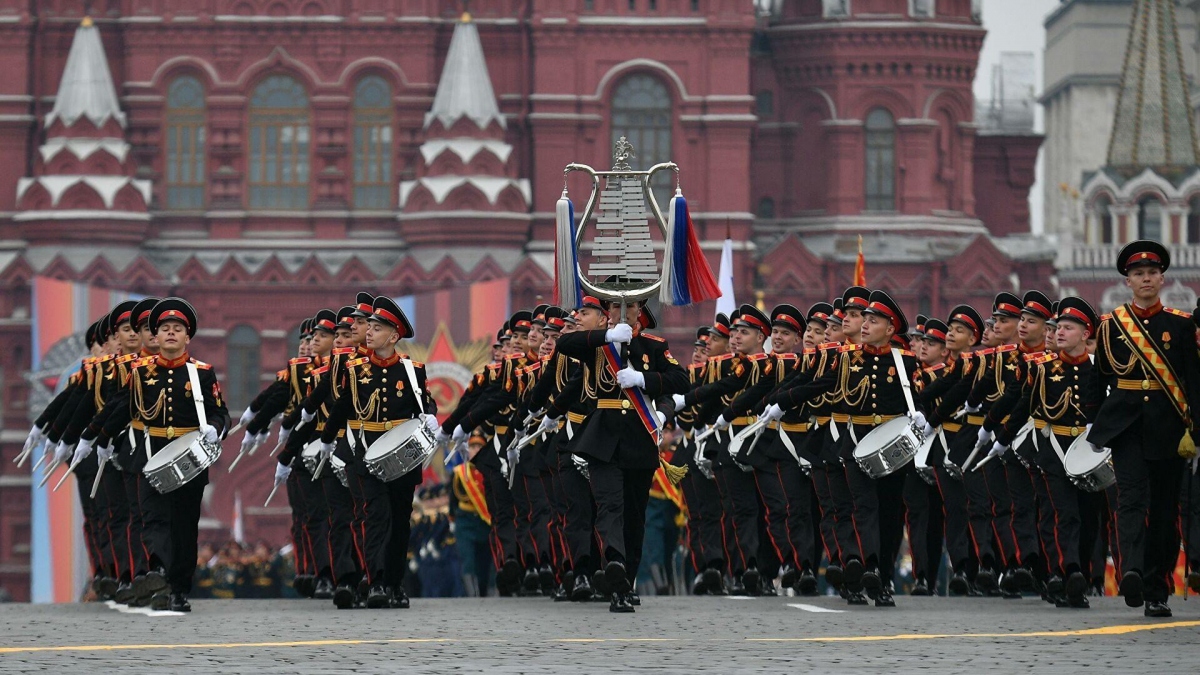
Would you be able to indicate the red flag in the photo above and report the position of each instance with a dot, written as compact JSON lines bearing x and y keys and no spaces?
{"x":860,"y":266}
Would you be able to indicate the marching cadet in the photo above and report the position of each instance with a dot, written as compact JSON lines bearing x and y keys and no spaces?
{"x":619,"y":436}
{"x":922,"y":500}
{"x":170,"y":395}
{"x":381,"y":391}
{"x":1146,"y":361}
{"x":1058,"y":396}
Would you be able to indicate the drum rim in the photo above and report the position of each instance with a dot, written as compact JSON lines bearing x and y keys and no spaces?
{"x":151,"y":465}
{"x":393,"y":430}
{"x":878,"y":449}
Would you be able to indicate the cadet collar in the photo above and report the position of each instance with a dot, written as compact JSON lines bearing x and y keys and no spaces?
{"x":1030,"y":350}
{"x":318,"y":360}
{"x":384,"y":363}
{"x":1148,"y":312}
{"x":172,"y":363}
{"x":1073,"y":360}
{"x":146,"y":352}
{"x":876,"y":351}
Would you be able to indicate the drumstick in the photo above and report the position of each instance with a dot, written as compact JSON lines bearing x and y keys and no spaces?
{"x":271,"y":496}
{"x":20,"y":459}
{"x":235,"y":461}
{"x":320,"y":466}
{"x":70,"y":469}
{"x":278,"y":446}
{"x":99,"y":473}
{"x":983,"y":461}
{"x":236,"y":428}
{"x":49,"y":472}
{"x":39,"y":462}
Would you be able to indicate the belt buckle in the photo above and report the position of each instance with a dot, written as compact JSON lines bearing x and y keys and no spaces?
{"x":625,"y":404}
{"x":878,"y":419}
{"x":1074,"y":432}
{"x":170,"y":432}
{"x":387,"y":426}
{"x":1145,"y":385}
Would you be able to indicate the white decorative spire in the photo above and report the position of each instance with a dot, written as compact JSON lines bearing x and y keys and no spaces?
{"x":86,"y":89}
{"x":465,"y":89}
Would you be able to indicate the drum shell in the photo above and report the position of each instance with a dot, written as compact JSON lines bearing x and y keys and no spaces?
{"x":1094,"y":478}
{"x":182,"y":460}
{"x":400,"y":450}
{"x":887,"y":448}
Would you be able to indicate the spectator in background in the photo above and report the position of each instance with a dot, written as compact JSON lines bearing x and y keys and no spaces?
{"x":472,"y":523}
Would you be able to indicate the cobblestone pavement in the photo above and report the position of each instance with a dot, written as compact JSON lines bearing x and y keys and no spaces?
{"x":667,"y":635}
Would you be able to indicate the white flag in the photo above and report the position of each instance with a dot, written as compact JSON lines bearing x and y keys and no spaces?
{"x":239,"y":534}
{"x":726,"y":304}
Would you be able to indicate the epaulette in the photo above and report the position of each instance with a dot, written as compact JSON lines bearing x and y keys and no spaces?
{"x":1105,"y":317}
{"x":849,"y":348}
{"x":722,"y":357}
{"x":126,"y":358}
{"x":357,"y":362}
{"x":1177,"y":312}
{"x":1005,"y":348}
{"x":299,"y":360}
{"x":493,"y":366}
{"x":652,"y":337}
{"x":696,"y":366}
{"x":934,"y":369}
{"x":319,"y":371}
{"x":88,"y":360}
{"x":344,"y":350}
{"x":758,"y":357}
{"x":200,"y":364}
{"x":105,"y":359}
{"x":1043,"y":357}
{"x":546,"y":358}
{"x":1034,"y":356}
{"x":510,"y":357}
{"x":829,"y":345}
{"x":905,"y":352}
{"x":984,"y":352}
{"x":282,"y":374}
{"x":789,"y":355}
{"x":809,"y":351}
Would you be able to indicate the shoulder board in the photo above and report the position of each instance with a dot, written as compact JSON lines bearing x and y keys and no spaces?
{"x":282,"y":374}
{"x":1005,"y":348}
{"x":1177,"y":312}
{"x":200,"y":364}
{"x":533,"y":368}
{"x":319,"y":371}
{"x":849,"y":348}
{"x":89,"y":360}
{"x":344,"y":350}
{"x":829,"y":345}
{"x":934,"y":369}
{"x":789,"y":355}
{"x":105,"y":359}
{"x":1034,"y":356}
{"x":984,"y":352}
{"x":299,"y":360}
{"x":758,"y":357}
{"x":905,"y":352}
{"x":126,"y":358}
{"x":145,"y":361}
{"x":696,"y":366}
{"x":511,"y":357}
{"x":546,"y":358}
{"x":653,"y":337}
{"x":357,"y":362}
{"x":722,"y":357}
{"x":493,"y":366}
{"x":1044,"y":357}
{"x":810,"y":351}
{"x":1105,"y":317}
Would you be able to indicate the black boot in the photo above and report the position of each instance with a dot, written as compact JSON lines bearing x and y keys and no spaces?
{"x":699,"y":587}
{"x":546,"y":579}
{"x":834,"y":576}
{"x":378,"y":597}
{"x":620,"y":604}
{"x":531,"y":585}
{"x":852,"y":572}
{"x":614,"y":576}
{"x":106,"y":588}
{"x":152,"y":582}
{"x":884,"y":598}
{"x":179,"y":603}
{"x":634,"y":599}
{"x":872,"y":583}
{"x":752,"y":580}
{"x":124,"y":593}
{"x":1193,"y":580}
{"x":959,"y":586}
{"x":343,"y":596}
{"x":806,"y":583}
{"x":1076,"y":586}
{"x":856,"y":598}
{"x":399,"y":599}
{"x":1131,"y":588}
{"x":323,"y":589}
{"x":582,"y":591}
{"x":600,"y":585}
{"x":921,"y":588}
{"x":713,"y":581}
{"x":788,"y":577}
{"x":1156,"y":609}
{"x":986,"y":579}
{"x":160,"y":601}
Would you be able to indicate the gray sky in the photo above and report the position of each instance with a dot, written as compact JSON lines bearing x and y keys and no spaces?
{"x":1015,"y":26}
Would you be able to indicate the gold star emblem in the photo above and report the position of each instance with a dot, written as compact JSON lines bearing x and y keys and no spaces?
{"x":152,"y":381}
{"x":855,"y":369}
{"x":364,"y":380}
{"x":1011,"y":366}
{"x":1056,"y":378}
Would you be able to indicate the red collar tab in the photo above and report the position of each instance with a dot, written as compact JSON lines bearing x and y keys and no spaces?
{"x":1149,"y":311}
{"x":384,"y":363}
{"x":172,"y":363}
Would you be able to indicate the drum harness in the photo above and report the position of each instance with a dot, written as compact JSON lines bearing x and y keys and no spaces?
{"x":197,"y":398}
{"x":905,"y":386}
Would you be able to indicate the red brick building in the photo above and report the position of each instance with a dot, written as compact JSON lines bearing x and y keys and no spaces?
{"x":265,"y":158}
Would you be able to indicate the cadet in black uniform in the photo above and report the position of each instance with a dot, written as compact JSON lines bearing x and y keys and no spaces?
{"x":1146,"y":360}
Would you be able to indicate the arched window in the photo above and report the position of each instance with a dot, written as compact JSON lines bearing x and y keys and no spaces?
{"x":766,"y":208}
{"x":242,"y":364}
{"x":1105,"y":219}
{"x":641,"y":112}
{"x":185,"y":144}
{"x":372,"y":144}
{"x":279,"y":142}
{"x":1193,"y":220}
{"x":881,"y":161}
{"x":1150,"y":219}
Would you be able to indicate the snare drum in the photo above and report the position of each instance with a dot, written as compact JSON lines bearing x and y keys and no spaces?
{"x":1089,"y":467}
{"x":180,"y":461}
{"x":311,"y":456}
{"x":887,"y":448}
{"x":404,"y":448}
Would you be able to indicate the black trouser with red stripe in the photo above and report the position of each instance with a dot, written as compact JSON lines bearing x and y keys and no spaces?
{"x":170,"y":527}
{"x":739,"y":498}
{"x":300,"y":539}
{"x":386,"y":510}
{"x":704,"y":520}
{"x":925,"y":520}
{"x":786,"y":498}
{"x":1059,"y":519}
{"x":621,"y":498}
{"x":1022,"y":511}
{"x":533,"y":512}
{"x":580,"y":517}
{"x":503,"y":508}
{"x":113,"y":510}
{"x":138,"y":557}
{"x":95,"y":533}
{"x":340,"y":530}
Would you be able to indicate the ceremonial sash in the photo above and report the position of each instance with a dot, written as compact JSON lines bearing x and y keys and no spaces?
{"x":663,"y":485}
{"x":1152,"y":360}
{"x":636,"y":396}
{"x":472,"y":482}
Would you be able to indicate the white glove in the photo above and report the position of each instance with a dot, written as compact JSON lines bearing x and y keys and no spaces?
{"x":327,"y":449}
{"x":82,"y":451}
{"x":918,"y":418}
{"x":261,"y":437}
{"x":721,"y":423}
{"x":282,"y":471}
{"x":248,"y":442}
{"x":104,"y":452}
{"x":928,"y":431}
{"x":548,"y":423}
{"x":247,"y":415}
{"x":972,"y":409}
{"x":459,"y":434}
{"x":773,"y":413}
{"x":62,"y":452}
{"x":513,"y":456}
{"x":997,"y":449}
{"x":431,"y":423}
{"x":209,"y":432}
{"x":306,"y":416}
{"x":441,"y":436}
{"x":35,"y":437}
{"x":284,"y":432}
{"x":621,"y":332}
{"x":629,"y":378}
{"x":984,"y":437}
{"x":679,"y":401}
{"x":662,"y":418}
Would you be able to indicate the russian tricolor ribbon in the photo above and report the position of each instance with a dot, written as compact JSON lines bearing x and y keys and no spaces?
{"x":636,"y":396}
